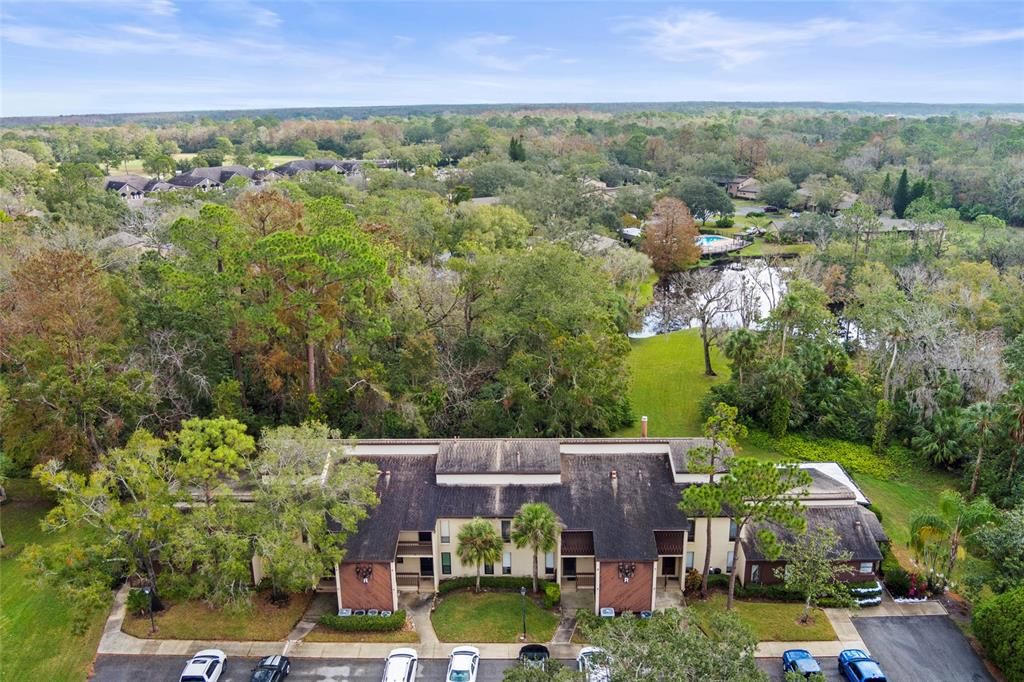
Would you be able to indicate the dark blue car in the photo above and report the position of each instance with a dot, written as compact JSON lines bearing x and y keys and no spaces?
{"x":801,"y":661}
{"x":856,"y":666}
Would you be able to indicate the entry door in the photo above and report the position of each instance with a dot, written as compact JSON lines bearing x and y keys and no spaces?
{"x":569,"y":568}
{"x":427,"y":567}
{"x":668,"y":565}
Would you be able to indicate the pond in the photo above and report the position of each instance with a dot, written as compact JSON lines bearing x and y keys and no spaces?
{"x":755,"y":287}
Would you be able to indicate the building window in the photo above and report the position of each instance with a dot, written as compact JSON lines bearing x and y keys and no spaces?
{"x":755,"y":573}
{"x":549,"y":563}
{"x":732,"y":530}
{"x":488,"y":569}
{"x":506,"y":530}
{"x":446,"y":563}
{"x":691,"y":528}
{"x":867,"y":567}
{"x":729,"y":561}
{"x":689,"y":561}
{"x":446,"y":532}
{"x":506,"y":563}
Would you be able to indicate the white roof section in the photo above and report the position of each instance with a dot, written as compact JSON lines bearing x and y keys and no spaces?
{"x":834,"y":470}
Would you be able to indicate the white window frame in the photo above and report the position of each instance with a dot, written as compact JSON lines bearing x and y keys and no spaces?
{"x":549,"y":562}
{"x":730,"y":561}
{"x":755,"y":574}
{"x":446,"y":532}
{"x":689,"y":561}
{"x":866,"y":567}
{"x":449,"y":555}
{"x":506,"y":563}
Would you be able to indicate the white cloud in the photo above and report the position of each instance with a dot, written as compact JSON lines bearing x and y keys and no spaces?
{"x":261,"y":16}
{"x":731,"y":43}
{"x":164,"y":8}
{"x":480,"y":50}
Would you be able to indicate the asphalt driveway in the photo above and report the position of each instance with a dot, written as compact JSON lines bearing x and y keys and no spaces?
{"x":921,"y":649}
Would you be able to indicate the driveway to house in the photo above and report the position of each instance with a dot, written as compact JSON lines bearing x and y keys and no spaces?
{"x":112,"y":668}
{"x":921,"y":649}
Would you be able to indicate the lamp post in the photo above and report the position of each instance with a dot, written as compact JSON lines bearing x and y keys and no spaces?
{"x":522,"y":593}
{"x":149,"y":595}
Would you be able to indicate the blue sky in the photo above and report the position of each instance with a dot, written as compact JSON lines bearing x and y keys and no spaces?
{"x":100,"y":56}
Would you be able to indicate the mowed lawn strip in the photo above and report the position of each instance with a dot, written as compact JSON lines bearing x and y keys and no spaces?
{"x":36,"y":637}
{"x":771,"y":621}
{"x":265,"y":622}
{"x":491,"y":617}
{"x":669,"y":382}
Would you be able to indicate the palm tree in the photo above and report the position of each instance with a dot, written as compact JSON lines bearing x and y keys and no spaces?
{"x":955,"y":520}
{"x":479,"y":543}
{"x":741,"y":347}
{"x":535,"y":525}
{"x":983,"y":417}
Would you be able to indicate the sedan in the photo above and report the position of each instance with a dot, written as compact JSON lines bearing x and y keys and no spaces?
{"x":856,"y":666}
{"x":591,"y":663}
{"x":271,"y":669}
{"x":534,"y":655}
{"x":400,"y":665}
{"x":462,"y":664}
{"x":205,"y":666}
{"x":799,"y":661}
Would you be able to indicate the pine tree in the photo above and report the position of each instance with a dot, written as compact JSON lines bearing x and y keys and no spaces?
{"x":887,"y":185}
{"x":516,"y":150}
{"x":901,"y":197}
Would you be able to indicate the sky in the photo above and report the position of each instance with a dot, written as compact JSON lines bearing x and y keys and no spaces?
{"x":111,"y":56}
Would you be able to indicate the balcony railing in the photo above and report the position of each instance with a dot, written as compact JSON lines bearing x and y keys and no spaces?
{"x":415,"y":549}
{"x":585,"y":580}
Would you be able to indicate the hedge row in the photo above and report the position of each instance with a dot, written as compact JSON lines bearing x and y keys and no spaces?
{"x":998,"y":623}
{"x":497,"y":582}
{"x":392,"y":623}
{"x":856,"y":458}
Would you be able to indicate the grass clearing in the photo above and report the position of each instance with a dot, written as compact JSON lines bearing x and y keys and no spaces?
{"x":265,"y":622}
{"x":491,"y":617}
{"x":36,"y":638}
{"x":135,"y":165}
{"x":771,"y":621}
{"x":669,"y":381}
{"x":325,"y":634}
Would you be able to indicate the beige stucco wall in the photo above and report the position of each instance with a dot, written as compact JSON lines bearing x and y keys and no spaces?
{"x":741,"y":565}
{"x":522,"y":559}
{"x":720,"y":543}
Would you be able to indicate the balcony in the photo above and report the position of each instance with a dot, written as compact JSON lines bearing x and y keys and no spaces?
{"x":413,"y":548}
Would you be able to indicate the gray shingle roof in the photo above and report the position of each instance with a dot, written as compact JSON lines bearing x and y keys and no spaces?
{"x":491,"y":456}
{"x":623,"y":513}
{"x":858,"y":529}
{"x":680,"y":449}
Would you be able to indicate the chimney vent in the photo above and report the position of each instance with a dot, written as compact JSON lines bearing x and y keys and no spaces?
{"x":615,"y":474}
{"x":387,"y":478}
{"x":643,"y":426}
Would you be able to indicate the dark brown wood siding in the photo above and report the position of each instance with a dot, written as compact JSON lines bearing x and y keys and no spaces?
{"x":768,"y":572}
{"x":375,"y":594}
{"x":622,"y":596}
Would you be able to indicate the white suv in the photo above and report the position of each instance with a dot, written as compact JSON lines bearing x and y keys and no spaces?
{"x":462,"y":664}
{"x":206,"y":666}
{"x":587,"y":660}
{"x":400,"y":666}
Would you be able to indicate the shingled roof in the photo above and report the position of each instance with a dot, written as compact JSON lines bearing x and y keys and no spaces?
{"x":858,"y":530}
{"x":505,"y":456}
{"x":623,"y":512}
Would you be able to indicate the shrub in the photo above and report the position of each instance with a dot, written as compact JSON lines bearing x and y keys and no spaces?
{"x":718,"y":580}
{"x":137,"y":602}
{"x":552,"y":595}
{"x":877,"y":512}
{"x":854,"y":457}
{"x":724,"y":221}
{"x":392,"y":623}
{"x":889,"y":561}
{"x":998,"y":623}
{"x":756,"y":214}
{"x":693,"y":580}
{"x":897,"y":581}
{"x":490,"y":582}
{"x":779,"y":592}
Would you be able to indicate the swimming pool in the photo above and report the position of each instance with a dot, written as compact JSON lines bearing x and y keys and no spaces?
{"x":708,"y":239}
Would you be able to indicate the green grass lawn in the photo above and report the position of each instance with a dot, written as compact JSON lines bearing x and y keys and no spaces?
{"x":135,"y":165}
{"x":669,"y":381}
{"x":491,"y":617}
{"x":36,"y":638}
{"x":196,"y":620}
{"x":772,"y":621}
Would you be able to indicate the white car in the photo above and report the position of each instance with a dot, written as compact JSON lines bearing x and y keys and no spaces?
{"x":206,"y":666}
{"x":400,"y":666}
{"x":587,"y":662}
{"x":462,"y":664}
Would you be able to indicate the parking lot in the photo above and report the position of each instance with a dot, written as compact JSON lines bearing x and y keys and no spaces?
{"x":168,"y":668}
{"x":921,"y":649}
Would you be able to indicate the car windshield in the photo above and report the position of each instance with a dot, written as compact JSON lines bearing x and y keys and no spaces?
{"x":459,"y":676}
{"x":192,"y":678}
{"x":262,"y":675}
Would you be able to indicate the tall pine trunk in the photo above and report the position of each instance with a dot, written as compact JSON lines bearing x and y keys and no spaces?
{"x":707,"y":559}
{"x":732,"y":573}
{"x":708,"y":371}
{"x":310,"y":368}
{"x":977,"y":469}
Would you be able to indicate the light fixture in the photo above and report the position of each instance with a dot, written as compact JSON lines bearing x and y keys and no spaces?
{"x":626,"y":571}
{"x":364,"y":572}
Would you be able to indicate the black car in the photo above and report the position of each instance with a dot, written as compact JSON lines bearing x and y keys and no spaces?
{"x":271,"y":669}
{"x":534,"y":655}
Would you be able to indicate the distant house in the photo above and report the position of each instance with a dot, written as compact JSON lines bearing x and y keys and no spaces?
{"x":192,"y":180}
{"x":351,"y":169}
{"x":744,"y":188}
{"x":128,"y":187}
{"x":804,"y":199}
